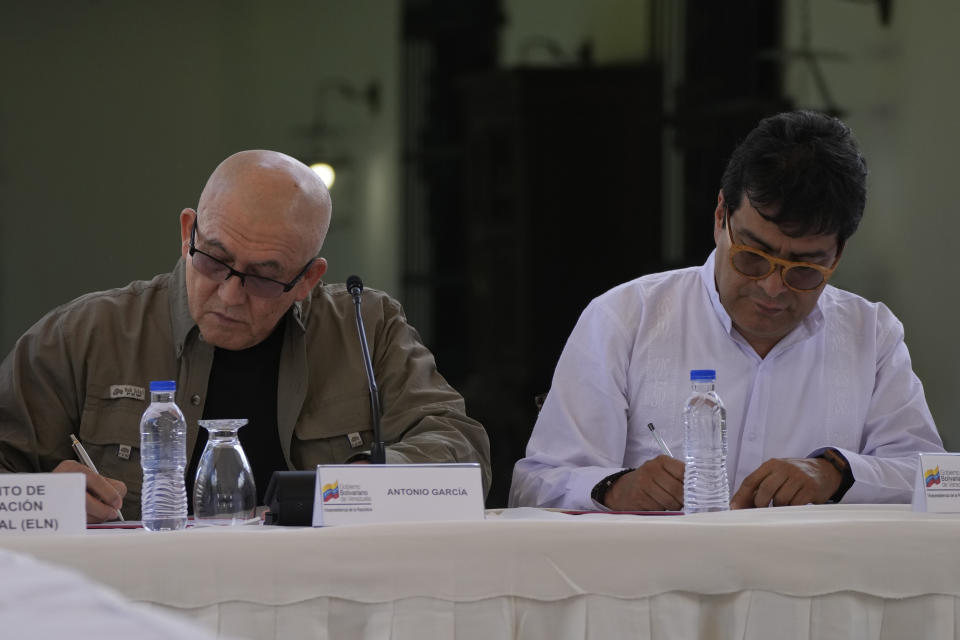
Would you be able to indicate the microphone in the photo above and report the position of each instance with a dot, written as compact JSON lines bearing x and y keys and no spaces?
{"x":355,"y":286}
{"x":377,"y":448}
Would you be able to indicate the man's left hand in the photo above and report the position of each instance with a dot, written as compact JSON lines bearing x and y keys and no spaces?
{"x":788,"y":481}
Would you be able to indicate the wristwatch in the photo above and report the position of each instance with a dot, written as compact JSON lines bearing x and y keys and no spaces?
{"x":839,"y":463}
{"x":600,"y":489}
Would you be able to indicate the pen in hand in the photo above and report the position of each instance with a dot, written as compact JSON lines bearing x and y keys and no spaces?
{"x":663,"y":445}
{"x":87,"y":462}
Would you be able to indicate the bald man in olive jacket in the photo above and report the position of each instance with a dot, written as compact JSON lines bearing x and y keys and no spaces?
{"x":243,"y":323}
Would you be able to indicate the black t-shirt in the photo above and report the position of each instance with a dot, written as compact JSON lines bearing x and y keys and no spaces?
{"x":243,"y":384}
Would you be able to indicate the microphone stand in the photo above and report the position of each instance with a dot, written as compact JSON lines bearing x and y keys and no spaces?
{"x":377,"y":448}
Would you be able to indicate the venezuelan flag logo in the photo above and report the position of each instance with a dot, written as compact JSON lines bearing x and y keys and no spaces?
{"x":332,"y":491}
{"x":932,"y":476}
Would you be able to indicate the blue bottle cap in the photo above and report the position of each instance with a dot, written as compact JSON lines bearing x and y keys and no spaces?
{"x":161,"y":386}
{"x":702,"y":375}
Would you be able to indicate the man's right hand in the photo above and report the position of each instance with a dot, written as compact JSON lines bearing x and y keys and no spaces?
{"x":104,"y":495}
{"x":657,"y":485}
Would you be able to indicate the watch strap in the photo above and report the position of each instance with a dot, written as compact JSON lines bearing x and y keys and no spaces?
{"x":599,"y":492}
{"x":836,"y":459}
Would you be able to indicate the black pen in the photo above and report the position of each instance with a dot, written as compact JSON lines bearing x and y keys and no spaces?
{"x":663,"y":445}
{"x":87,"y":462}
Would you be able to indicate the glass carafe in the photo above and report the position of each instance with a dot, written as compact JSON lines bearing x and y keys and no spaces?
{"x":223,"y":492}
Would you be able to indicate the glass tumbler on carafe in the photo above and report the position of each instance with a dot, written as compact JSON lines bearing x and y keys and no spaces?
{"x":223,"y":492}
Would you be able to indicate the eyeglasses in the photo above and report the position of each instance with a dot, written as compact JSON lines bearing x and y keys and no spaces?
{"x":801,"y":277}
{"x":259,"y":286}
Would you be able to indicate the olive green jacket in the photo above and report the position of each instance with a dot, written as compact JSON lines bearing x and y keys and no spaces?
{"x":85,"y":368}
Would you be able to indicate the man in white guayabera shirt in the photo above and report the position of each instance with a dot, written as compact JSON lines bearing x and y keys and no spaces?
{"x":822,"y":402}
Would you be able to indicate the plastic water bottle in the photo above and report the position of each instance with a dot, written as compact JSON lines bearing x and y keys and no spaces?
{"x":163,"y":457}
{"x":705,"y":485}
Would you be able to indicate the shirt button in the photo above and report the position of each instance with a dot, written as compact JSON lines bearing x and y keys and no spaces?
{"x":195,"y":400}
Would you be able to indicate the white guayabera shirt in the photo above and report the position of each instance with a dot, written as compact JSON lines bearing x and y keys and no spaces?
{"x":842,"y":379}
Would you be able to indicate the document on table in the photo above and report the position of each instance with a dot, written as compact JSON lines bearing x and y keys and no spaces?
{"x":533,"y":513}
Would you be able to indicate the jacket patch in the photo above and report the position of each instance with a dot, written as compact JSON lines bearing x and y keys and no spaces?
{"x":127,"y":391}
{"x":124,"y":451}
{"x":355,"y":439}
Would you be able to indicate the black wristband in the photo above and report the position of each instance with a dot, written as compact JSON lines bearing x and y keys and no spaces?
{"x":836,"y":459}
{"x":600,"y":489}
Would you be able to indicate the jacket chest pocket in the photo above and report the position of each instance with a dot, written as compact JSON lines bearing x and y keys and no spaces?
{"x":110,"y":432}
{"x":332,"y":430}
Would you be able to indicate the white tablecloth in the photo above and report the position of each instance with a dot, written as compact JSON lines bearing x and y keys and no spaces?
{"x":798,"y":572}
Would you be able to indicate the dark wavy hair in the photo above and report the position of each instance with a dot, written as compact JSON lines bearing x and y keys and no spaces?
{"x":804,"y":171}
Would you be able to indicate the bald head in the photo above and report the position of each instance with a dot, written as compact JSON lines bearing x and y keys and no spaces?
{"x":261,"y":215}
{"x":269,"y":188}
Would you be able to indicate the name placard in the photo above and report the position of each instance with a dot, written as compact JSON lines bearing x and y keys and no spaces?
{"x":368,"y":493}
{"x":937,"y":484}
{"x":42,"y":503}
